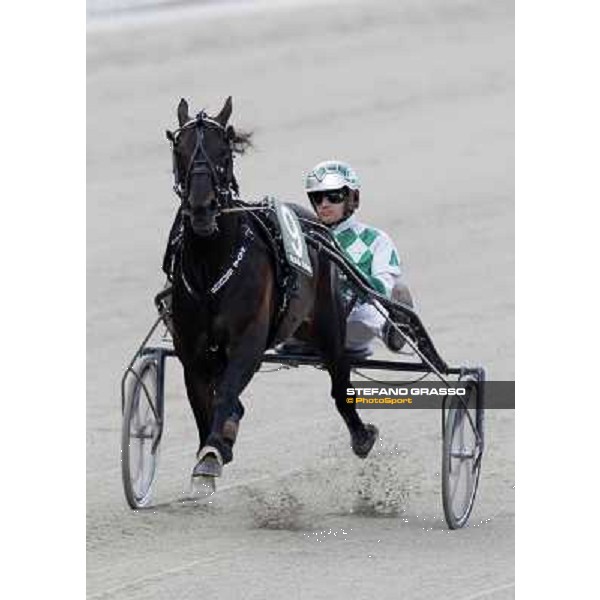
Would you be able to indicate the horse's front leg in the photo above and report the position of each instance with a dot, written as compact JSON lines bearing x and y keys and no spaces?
{"x":200,"y":396}
{"x":243,"y":361}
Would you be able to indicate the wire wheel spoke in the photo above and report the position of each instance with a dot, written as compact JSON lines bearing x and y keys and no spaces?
{"x":460,"y":459}
{"x":460,"y":465}
{"x":141,"y":434}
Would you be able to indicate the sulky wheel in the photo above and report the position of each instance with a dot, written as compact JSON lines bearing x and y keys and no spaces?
{"x":461,"y":452}
{"x":141,"y":433}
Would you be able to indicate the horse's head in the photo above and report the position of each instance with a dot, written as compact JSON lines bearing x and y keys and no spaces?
{"x":203,"y":149}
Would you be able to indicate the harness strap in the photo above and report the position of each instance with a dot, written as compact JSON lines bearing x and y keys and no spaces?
{"x":283,"y":273}
{"x":230,"y":271}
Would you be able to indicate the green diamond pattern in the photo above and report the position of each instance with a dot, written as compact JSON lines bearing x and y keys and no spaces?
{"x":346,"y":238}
{"x":357,"y":247}
{"x":368,"y":236}
{"x":365,"y":262}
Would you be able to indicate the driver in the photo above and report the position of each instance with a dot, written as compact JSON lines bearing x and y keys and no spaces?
{"x":333,"y":190}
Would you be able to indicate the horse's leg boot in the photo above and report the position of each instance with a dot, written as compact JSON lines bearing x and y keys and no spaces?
{"x":363,"y":440}
{"x":210,"y":463}
{"x":223,"y":445}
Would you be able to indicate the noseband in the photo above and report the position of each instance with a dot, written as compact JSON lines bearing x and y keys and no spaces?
{"x":200,"y":163}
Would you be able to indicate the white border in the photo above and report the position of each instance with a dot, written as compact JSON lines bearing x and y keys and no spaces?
{"x":43,"y":441}
{"x":43,"y":299}
{"x":557,"y":189}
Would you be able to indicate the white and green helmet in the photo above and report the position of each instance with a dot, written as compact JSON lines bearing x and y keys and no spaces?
{"x":331,"y":175}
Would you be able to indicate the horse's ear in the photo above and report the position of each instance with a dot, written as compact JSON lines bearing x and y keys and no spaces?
{"x":183,"y":114}
{"x":225,"y":113}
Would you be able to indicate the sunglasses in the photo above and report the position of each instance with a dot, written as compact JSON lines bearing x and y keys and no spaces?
{"x":334,"y":196}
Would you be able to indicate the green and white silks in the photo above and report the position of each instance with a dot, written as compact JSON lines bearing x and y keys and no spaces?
{"x":374,"y":253}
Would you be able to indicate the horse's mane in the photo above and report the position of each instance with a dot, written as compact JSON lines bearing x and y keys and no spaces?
{"x":241,"y":141}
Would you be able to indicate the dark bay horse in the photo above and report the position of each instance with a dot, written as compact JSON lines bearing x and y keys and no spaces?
{"x":225,"y":299}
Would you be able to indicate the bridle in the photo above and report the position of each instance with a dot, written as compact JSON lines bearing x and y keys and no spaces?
{"x":200,"y":163}
{"x":224,"y":185}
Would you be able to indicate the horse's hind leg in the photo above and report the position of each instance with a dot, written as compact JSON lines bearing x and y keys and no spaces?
{"x":330,"y":329}
{"x":362,"y":436}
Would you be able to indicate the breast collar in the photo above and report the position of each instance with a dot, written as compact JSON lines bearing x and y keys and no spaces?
{"x":237,"y":258}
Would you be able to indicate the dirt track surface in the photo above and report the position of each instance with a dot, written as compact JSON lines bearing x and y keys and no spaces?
{"x":418,"y":97}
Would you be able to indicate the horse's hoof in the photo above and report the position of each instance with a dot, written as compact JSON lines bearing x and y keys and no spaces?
{"x":210,"y":463}
{"x":363,"y":442}
{"x":203,"y":485}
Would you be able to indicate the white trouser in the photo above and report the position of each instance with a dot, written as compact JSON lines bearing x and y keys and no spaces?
{"x":364,"y":324}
